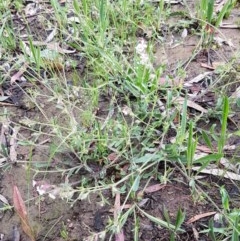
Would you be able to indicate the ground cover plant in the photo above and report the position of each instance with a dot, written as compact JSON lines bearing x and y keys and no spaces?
{"x":119,"y":120}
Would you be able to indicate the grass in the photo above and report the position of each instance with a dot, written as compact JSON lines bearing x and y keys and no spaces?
{"x":141,"y":131}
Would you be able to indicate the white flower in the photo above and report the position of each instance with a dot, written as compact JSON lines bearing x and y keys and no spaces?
{"x":141,"y":47}
{"x":141,"y":50}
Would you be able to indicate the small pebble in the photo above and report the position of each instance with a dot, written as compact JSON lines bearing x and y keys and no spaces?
{"x":15,"y":234}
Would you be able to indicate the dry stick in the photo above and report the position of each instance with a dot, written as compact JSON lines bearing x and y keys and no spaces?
{"x":6,"y":104}
{"x":58,"y":220}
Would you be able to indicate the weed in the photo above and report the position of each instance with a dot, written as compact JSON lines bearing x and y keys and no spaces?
{"x":223,"y":135}
{"x":8,"y":38}
{"x":225,"y":225}
{"x":211,"y":20}
{"x":64,"y":232}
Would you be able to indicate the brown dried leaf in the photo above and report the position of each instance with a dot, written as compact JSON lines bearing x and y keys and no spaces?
{"x":204,"y":149}
{"x":154,"y":188}
{"x":20,"y":208}
{"x":150,"y":189}
{"x":207,"y":66}
{"x":6,"y":104}
{"x":197,"y":79}
{"x":18,"y":75}
{"x":112,"y":157}
{"x":199,"y":216}
{"x":117,"y":205}
{"x":191,"y":104}
{"x":18,"y":203}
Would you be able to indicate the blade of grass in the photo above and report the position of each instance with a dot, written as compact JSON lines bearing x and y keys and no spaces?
{"x":159,"y":221}
{"x":181,"y":134}
{"x":222,"y":139}
{"x":235,"y":235}
{"x":207,"y":140}
{"x":179,"y":219}
{"x":210,"y":10}
{"x":191,"y":148}
{"x":205,"y":161}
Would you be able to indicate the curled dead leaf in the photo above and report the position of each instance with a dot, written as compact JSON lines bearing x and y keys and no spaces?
{"x":191,"y":104}
{"x":20,"y":209}
{"x":18,"y":75}
{"x":199,"y":216}
{"x":112,"y":157}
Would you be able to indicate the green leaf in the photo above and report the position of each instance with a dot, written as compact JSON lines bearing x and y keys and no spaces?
{"x":166,"y":214}
{"x":225,"y":199}
{"x":159,"y":221}
{"x":180,"y":218}
{"x":207,"y":140}
{"x":191,"y":148}
{"x":211,"y":230}
{"x":136,"y":182}
{"x":235,"y":235}
{"x":124,"y":217}
{"x":237,"y":133}
{"x":147,"y":158}
{"x":184,"y":118}
{"x":238,"y":102}
{"x":210,"y":10}
{"x":76,"y":6}
{"x":222,"y":139}
{"x":228,"y":6}
{"x":205,"y":161}
{"x":208,"y":158}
